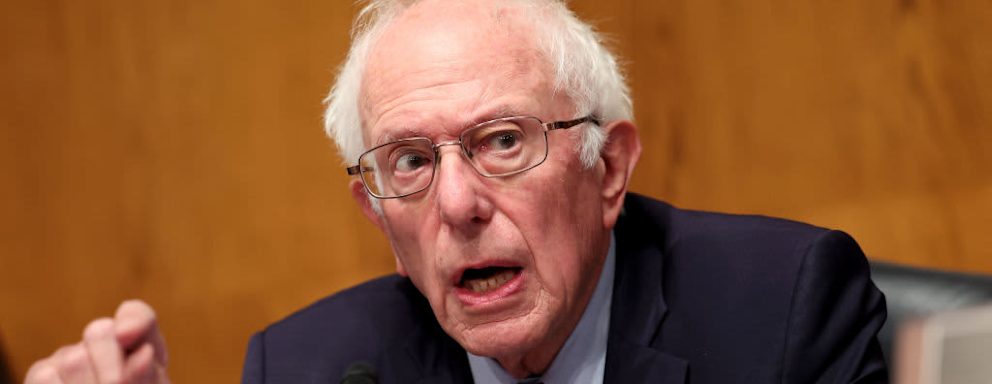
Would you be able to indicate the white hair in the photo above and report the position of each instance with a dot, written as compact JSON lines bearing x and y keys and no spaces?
{"x":583,"y":68}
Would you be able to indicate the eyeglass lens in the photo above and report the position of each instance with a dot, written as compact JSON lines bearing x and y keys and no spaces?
{"x":497,"y":148}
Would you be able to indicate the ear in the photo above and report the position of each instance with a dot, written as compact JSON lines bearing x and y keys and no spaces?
{"x":620,"y":154}
{"x":364,"y":201}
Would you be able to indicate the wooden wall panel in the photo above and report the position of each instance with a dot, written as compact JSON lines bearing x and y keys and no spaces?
{"x":172,"y":150}
{"x":869,"y":117}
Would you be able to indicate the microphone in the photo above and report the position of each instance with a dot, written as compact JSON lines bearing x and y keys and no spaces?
{"x":360,"y":373}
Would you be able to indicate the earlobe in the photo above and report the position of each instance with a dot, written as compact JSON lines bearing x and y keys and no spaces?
{"x":400,"y":269}
{"x":364,"y":202}
{"x":620,"y":155}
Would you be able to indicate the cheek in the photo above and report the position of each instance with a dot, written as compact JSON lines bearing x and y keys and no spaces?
{"x":561,"y":232}
{"x":555,"y":272}
{"x":418,"y":242}
{"x":570,"y":234}
{"x":406,"y":236}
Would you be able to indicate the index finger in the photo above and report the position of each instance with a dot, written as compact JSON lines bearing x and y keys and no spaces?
{"x":136,"y":323}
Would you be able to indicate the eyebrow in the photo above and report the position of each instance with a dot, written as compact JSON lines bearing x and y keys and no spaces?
{"x":499,"y":113}
{"x":503,"y":110}
{"x":405,"y":133}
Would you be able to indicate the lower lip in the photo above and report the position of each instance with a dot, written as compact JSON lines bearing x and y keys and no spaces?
{"x":471,"y":298}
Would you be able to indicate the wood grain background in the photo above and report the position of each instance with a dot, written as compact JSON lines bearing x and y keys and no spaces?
{"x":172,"y":150}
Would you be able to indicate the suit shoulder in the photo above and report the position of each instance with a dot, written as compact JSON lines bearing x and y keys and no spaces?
{"x":735,"y":245}
{"x":730,"y":231}
{"x":376,"y":303}
{"x":318,"y":342}
{"x":782,"y":282}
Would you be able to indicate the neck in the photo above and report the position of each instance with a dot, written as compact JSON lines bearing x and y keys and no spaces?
{"x":532,"y":364}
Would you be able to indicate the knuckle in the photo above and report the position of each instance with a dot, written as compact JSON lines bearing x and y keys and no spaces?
{"x":111,"y":376}
{"x":72,"y":357}
{"x":98,"y":329}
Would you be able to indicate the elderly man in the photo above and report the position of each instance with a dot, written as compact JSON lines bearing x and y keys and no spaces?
{"x":492,"y":144}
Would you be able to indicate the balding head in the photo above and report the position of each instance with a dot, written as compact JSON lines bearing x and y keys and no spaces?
{"x":581,"y":66}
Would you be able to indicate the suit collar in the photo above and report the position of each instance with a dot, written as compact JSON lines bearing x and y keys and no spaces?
{"x":639,"y":308}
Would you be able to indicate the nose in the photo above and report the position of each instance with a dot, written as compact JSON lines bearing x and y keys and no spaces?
{"x":462,"y":201}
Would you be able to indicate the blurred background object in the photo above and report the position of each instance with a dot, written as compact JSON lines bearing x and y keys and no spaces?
{"x":946,"y":348}
{"x":914,"y":293}
{"x":172,"y":150}
{"x":5,"y":376}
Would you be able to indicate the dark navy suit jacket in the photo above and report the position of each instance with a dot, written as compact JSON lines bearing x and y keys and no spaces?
{"x":698,"y":298}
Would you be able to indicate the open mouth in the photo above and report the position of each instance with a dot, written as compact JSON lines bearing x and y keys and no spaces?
{"x":483,"y":280}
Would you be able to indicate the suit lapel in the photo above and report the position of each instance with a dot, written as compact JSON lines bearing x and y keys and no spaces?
{"x":429,"y":360}
{"x":638,"y":309}
{"x":428,"y":355}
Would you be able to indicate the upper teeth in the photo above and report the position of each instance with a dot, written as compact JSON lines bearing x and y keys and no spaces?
{"x":490,"y":283}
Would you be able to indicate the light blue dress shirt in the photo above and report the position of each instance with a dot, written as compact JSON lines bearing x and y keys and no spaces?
{"x":582,"y":359}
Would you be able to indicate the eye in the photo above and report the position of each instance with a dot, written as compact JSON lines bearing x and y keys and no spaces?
{"x":500,"y":141}
{"x":410,"y":161}
{"x":504,"y":140}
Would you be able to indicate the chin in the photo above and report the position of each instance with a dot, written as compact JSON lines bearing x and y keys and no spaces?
{"x":501,"y":339}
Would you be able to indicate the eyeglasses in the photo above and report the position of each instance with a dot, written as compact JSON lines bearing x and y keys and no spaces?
{"x":496,"y":148}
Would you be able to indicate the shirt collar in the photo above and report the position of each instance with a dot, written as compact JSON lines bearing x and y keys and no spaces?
{"x":582,"y":359}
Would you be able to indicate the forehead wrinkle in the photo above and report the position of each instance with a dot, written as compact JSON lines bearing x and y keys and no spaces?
{"x":459,"y":45}
{"x":508,"y":65}
{"x":471,"y":111}
{"x":373,"y":86}
{"x":400,"y":113}
{"x":412,"y":130}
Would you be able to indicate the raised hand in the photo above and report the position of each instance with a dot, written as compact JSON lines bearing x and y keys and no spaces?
{"x":127,"y":348}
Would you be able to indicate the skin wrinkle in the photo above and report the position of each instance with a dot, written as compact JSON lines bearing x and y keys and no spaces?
{"x":548,"y":220}
{"x":443,"y":70}
{"x":407,"y":132}
{"x":432,"y":90}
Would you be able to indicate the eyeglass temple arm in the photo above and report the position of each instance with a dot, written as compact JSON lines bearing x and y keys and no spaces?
{"x":356,"y":169}
{"x":571,"y":123}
